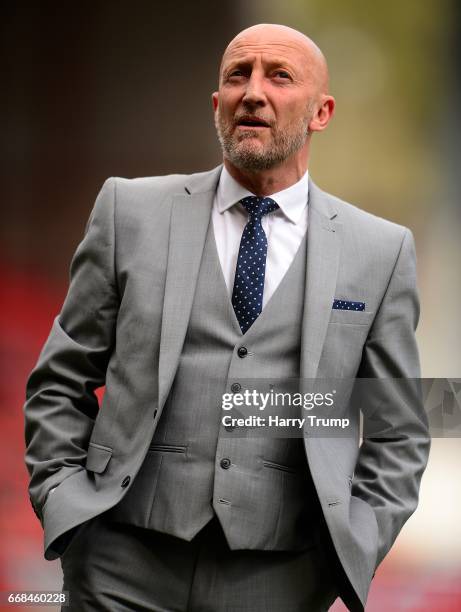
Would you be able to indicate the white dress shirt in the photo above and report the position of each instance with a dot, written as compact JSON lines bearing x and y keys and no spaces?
{"x":284,"y":228}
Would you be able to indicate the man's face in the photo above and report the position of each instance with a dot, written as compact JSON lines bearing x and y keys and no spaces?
{"x":267,"y":96}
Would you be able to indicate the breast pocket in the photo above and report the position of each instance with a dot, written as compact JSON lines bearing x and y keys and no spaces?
{"x":351,"y":317}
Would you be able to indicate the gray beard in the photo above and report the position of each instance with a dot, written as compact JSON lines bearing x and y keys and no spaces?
{"x":245,"y":157}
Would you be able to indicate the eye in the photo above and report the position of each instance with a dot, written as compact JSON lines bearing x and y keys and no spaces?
{"x":283,"y":74}
{"x":235,"y":74}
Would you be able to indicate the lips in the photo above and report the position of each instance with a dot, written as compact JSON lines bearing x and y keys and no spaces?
{"x":252,"y":121}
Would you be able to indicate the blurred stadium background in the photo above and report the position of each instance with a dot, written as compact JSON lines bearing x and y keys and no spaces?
{"x":95,"y":89}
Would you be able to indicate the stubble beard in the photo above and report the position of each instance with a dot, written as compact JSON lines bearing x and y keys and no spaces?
{"x":244,"y":150}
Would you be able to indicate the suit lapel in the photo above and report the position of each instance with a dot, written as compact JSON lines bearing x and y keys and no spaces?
{"x":321,"y":274}
{"x":190,"y":217}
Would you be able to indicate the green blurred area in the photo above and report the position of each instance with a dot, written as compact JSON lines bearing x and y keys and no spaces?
{"x":389,"y":72}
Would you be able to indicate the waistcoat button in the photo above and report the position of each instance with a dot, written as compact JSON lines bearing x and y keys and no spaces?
{"x":235,"y":387}
{"x":225,"y":463}
{"x":242,"y":352}
{"x":126,"y":481}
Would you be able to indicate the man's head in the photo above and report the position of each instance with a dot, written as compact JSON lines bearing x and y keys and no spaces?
{"x":273,"y":93}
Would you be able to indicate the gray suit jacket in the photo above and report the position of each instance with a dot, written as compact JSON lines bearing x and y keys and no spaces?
{"x":123,"y":323}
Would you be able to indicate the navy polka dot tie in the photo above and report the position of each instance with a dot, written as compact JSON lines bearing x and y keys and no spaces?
{"x":247,"y":296}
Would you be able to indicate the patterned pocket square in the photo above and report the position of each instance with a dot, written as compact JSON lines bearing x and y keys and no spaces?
{"x":346,"y":305}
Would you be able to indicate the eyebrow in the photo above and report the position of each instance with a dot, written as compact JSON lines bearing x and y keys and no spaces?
{"x":247,"y":62}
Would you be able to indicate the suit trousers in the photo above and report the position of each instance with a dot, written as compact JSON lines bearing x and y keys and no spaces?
{"x":114,"y":567}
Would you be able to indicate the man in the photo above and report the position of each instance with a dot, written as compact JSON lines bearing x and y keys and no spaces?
{"x":150,"y":501}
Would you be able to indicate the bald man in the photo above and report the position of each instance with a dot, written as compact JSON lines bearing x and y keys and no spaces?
{"x":182,"y":290}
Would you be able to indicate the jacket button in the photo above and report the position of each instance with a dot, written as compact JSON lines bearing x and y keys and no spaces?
{"x":235,"y":387}
{"x":225,"y":463}
{"x":155,"y":413}
{"x":126,"y":481}
{"x":242,"y":352}
{"x":229,"y":428}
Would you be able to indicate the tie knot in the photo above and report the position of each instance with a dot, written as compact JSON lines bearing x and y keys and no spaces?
{"x":258,"y":207}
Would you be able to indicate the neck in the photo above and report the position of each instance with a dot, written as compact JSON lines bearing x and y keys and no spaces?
{"x":264,"y":183}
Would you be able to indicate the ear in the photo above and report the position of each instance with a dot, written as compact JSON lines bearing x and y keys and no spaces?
{"x":215,"y":100}
{"x":323,"y":115}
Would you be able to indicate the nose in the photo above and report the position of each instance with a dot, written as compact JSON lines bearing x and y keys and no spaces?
{"x":254,"y":93}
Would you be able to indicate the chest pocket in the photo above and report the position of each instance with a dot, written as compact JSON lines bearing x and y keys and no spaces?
{"x":351,"y":317}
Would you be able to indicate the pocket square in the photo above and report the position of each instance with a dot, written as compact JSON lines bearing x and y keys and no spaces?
{"x":347,"y":305}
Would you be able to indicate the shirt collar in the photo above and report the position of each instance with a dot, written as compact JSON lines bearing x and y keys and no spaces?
{"x":292,"y":200}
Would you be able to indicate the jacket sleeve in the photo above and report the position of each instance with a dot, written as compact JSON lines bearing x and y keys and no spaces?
{"x":61,"y":405}
{"x":396,"y":440}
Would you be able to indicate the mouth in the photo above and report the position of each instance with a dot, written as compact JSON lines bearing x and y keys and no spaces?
{"x":252,"y":122}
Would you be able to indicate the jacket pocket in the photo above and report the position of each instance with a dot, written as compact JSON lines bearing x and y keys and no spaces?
{"x":351,"y":317}
{"x":98,"y":457}
{"x":279,"y":466}
{"x":167,"y":448}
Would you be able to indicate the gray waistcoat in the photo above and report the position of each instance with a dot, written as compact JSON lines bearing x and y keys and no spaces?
{"x":263,"y":499}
